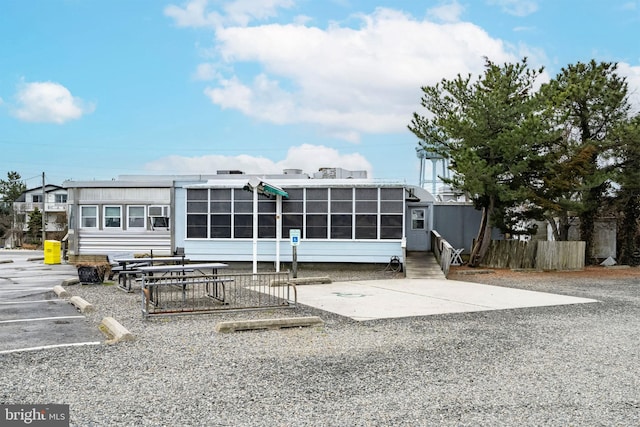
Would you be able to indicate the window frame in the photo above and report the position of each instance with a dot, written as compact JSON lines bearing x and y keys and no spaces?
{"x":190,"y":223}
{"x":106,"y":218}
{"x":96,"y":217}
{"x":144,"y":217}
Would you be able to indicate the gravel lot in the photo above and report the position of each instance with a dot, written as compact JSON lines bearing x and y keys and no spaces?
{"x":559,"y":366}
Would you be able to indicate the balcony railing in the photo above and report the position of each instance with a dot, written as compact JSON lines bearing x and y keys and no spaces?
{"x":24,"y":207}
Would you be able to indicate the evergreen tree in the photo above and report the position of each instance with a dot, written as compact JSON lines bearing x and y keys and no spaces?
{"x":34,"y":226}
{"x":586,"y":101}
{"x":490,"y":131}
{"x":10,"y":190}
{"x":627,"y":198}
{"x":12,"y":187}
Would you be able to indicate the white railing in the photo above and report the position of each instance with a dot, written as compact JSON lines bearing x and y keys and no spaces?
{"x":23,"y":207}
{"x":443,"y":251}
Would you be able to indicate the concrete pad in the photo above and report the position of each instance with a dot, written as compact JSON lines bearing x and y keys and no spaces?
{"x":384,"y":299}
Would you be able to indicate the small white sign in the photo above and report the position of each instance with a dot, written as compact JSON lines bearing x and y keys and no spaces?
{"x":294,"y":236}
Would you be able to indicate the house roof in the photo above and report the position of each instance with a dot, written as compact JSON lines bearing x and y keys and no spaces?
{"x":48,"y":188}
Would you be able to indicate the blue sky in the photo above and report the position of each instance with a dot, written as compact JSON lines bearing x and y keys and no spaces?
{"x":96,"y":89}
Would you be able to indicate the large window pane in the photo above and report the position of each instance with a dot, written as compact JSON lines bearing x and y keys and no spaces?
{"x":220,"y":194}
{"x":266,"y":204}
{"x":197,"y":194}
{"x":341,"y":207}
{"x":197,"y":201}
{"x":220,"y":207}
{"x":391,"y":194}
{"x":391,"y":226}
{"x":220,"y":201}
{"x":243,"y":226}
{"x":290,"y":222}
{"x":366,"y":194}
{"x":316,"y":227}
{"x":341,"y":226}
{"x":289,"y":206}
{"x":317,"y":200}
{"x":197,"y":207}
{"x":266,"y":226}
{"x":317,"y":206}
{"x":363,"y":206}
{"x":366,"y":226}
{"x":242,"y":201}
{"x":294,"y":193}
{"x":341,"y":200}
{"x":391,"y":207}
{"x":341,"y":194}
{"x":197,"y":226}
{"x":220,"y":226}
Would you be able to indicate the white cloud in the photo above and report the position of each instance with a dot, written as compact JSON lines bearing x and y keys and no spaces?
{"x":241,"y":12}
{"x":307,"y":157}
{"x":631,"y":5}
{"x":193,"y":15}
{"x":205,"y":72}
{"x":48,"y":102}
{"x":632,"y":73}
{"x":516,"y":7}
{"x":346,"y":80}
{"x":447,"y":12}
{"x":238,"y":12}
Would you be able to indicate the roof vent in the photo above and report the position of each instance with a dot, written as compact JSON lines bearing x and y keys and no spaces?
{"x":229,"y":172}
{"x":292,"y":171}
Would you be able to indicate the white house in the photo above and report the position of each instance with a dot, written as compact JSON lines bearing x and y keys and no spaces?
{"x":51,"y":201}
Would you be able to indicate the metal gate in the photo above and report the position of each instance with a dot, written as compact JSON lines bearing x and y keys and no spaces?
{"x":208,"y":293}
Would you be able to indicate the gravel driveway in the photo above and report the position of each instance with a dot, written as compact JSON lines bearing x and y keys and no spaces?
{"x":558,"y":366}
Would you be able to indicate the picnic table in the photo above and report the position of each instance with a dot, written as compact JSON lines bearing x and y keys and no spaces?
{"x":129,"y":267}
{"x":208,"y":271}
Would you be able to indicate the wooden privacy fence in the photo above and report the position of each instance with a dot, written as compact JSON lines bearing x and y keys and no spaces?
{"x":539,"y":255}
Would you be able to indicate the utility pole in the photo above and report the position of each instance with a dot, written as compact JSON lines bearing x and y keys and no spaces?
{"x":44,"y":222}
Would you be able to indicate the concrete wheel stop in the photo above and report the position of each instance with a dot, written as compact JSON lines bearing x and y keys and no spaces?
{"x":286,"y":322}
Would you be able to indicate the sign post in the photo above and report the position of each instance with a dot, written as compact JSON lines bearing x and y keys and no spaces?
{"x":294,"y":236}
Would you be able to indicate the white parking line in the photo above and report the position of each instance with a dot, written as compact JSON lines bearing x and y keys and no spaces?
{"x":34,"y":301}
{"x":41,"y":318}
{"x":45,"y":347}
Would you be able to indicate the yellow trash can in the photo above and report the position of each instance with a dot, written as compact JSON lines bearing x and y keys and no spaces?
{"x":51,"y":252}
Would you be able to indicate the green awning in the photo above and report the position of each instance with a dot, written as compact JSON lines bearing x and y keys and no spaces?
{"x":265,"y":188}
{"x":272,"y":189}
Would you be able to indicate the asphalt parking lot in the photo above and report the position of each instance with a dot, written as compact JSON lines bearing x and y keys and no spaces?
{"x":32,"y":317}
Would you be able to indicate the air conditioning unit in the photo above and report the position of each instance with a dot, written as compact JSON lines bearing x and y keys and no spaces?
{"x":159,"y":217}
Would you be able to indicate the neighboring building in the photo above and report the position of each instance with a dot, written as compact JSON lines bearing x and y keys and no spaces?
{"x":119,"y":215}
{"x":52,"y":202}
